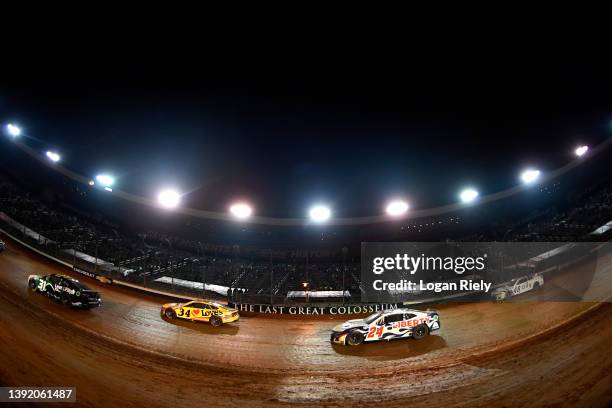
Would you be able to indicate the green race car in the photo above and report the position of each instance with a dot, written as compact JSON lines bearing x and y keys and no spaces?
{"x":65,"y":289}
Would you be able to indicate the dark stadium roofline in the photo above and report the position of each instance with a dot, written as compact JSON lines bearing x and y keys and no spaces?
{"x":349,"y":221}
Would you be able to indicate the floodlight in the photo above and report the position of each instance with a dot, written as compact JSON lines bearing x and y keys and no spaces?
{"x":169,"y":198}
{"x":529,"y":176}
{"x":581,"y":151}
{"x":13,"y":130}
{"x":241,"y":210}
{"x":105,"y":180}
{"x":397,"y":208}
{"x":54,"y":157}
{"x":468,"y":195}
{"x":320,"y":213}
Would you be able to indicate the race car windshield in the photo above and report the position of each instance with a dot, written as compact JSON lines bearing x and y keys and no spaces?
{"x":372,"y":317}
{"x":79,"y":285}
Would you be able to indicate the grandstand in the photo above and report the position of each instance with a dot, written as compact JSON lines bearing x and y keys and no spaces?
{"x":261,"y":273}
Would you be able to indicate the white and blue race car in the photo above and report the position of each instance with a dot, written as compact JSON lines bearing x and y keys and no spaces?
{"x":386,"y":325}
{"x":518,"y":286}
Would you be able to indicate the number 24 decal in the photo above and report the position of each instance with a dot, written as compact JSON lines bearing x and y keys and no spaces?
{"x":375,"y":330}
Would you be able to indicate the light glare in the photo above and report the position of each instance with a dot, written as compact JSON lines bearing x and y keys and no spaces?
{"x":169,"y":198}
{"x":468,"y":195}
{"x":105,"y":180}
{"x":241,"y":210}
{"x":581,"y":151}
{"x":54,"y":157}
{"x":529,"y":176}
{"x":13,"y":130}
{"x":320,"y":213}
{"x":397,"y":208}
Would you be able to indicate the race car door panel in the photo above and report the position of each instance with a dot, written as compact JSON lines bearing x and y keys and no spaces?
{"x":210,"y":311}
{"x":197,"y":310}
{"x":522,"y":285}
{"x":393,"y":327}
{"x":376,"y":330}
{"x":185,"y":311}
{"x":54,"y":285}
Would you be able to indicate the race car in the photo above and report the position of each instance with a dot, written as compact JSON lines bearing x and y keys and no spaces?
{"x":386,"y":325}
{"x":518,"y":286}
{"x":65,"y":289}
{"x":2,"y":245}
{"x":202,"y":311}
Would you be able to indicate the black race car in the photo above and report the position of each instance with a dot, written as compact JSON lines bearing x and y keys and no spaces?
{"x":65,"y":289}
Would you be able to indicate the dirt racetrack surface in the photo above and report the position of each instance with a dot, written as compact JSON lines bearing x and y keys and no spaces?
{"x":124,"y":354}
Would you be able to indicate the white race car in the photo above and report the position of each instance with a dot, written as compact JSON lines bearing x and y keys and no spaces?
{"x":386,"y":325}
{"x":518,"y":286}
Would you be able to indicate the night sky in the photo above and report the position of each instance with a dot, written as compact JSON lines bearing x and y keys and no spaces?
{"x":285,"y":144}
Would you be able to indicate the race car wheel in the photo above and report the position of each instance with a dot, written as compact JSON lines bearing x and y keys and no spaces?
{"x":420,"y":331}
{"x":65,"y":299}
{"x":216,"y":321}
{"x":500,"y":298}
{"x":169,"y":313}
{"x":32,"y":285}
{"x":354,"y":338}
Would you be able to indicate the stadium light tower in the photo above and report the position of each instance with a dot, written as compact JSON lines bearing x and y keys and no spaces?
{"x":468,"y":195}
{"x":53,"y":156}
{"x":105,"y":180}
{"x":169,"y":199}
{"x":581,"y":150}
{"x":320,"y":213}
{"x":530,"y":176}
{"x":13,"y":130}
{"x":241,"y":210}
{"x":397,"y":208}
